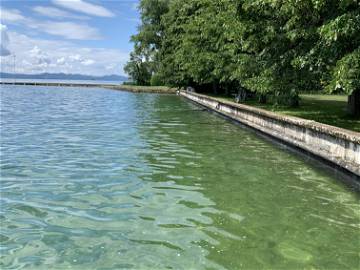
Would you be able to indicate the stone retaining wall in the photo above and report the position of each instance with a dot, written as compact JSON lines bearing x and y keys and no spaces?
{"x":336,"y":145}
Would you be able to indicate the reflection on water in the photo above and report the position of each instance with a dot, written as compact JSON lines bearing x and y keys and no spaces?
{"x":100,"y":179}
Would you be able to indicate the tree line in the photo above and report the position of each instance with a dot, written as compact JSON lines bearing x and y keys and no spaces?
{"x":271,"y":49}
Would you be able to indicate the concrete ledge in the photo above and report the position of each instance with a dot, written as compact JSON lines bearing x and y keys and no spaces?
{"x":337,"y":145}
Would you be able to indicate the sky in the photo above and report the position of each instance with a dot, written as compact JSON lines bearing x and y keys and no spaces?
{"x":70,"y":36}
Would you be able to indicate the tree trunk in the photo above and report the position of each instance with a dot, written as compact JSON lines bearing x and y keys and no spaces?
{"x":354,"y":103}
{"x":215,"y":88}
{"x":262,"y":98}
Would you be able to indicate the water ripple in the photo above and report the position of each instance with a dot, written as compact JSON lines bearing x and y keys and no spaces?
{"x":99,"y":179}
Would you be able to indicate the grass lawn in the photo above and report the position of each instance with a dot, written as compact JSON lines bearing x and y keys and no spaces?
{"x":327,"y":109}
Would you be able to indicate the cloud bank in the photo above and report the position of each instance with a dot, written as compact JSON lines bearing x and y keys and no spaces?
{"x":65,"y":29}
{"x":35,"y":53}
{"x":56,"y":13}
{"x":84,"y":7}
{"x":54,"y":56}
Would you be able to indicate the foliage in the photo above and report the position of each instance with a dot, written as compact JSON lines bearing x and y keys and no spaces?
{"x":346,"y":73}
{"x":156,"y":80}
{"x":138,"y":69}
{"x":274,"y":48}
{"x":333,"y":53}
{"x":143,"y":60}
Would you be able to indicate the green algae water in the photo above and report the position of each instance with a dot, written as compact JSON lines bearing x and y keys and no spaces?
{"x":100,"y":179}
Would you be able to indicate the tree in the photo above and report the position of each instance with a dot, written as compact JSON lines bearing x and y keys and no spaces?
{"x":346,"y":76}
{"x":143,"y":60}
{"x":195,"y":49}
{"x":332,"y":56}
{"x":138,"y":69}
{"x":271,"y":34}
{"x":270,"y":47}
{"x":340,"y":38}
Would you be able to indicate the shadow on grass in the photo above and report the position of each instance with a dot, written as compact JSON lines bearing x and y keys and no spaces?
{"x":331,"y":110}
{"x":326,"y":109}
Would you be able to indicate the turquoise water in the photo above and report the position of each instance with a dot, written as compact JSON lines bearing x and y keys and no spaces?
{"x":101,"y":179}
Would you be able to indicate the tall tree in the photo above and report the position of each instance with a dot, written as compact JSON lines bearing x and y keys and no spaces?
{"x":195,"y":49}
{"x":332,"y":56}
{"x":139,"y":70}
{"x":147,"y":41}
{"x":270,"y":47}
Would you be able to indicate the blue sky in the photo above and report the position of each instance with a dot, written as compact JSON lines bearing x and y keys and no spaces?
{"x":70,"y":36}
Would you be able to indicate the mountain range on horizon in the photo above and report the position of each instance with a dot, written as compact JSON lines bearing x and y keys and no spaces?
{"x":63,"y":76}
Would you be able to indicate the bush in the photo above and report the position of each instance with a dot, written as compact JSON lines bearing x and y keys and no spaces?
{"x":129,"y":83}
{"x":156,"y":80}
{"x":291,"y":98}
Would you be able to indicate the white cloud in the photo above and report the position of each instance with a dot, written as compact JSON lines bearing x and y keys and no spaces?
{"x":79,"y":59}
{"x":37,"y":59}
{"x":87,"y":62}
{"x":54,"y":56}
{"x":84,"y":7}
{"x":60,"y":61}
{"x":34,"y":51}
{"x":110,"y":67}
{"x":11,"y":15}
{"x":68,"y":30}
{"x":54,"y":12}
{"x":4,"y":51}
{"x":75,"y":57}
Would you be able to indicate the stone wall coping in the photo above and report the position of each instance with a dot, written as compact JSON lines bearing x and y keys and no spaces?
{"x":310,"y":124}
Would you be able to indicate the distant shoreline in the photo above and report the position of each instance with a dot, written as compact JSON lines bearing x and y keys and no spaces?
{"x":71,"y":81}
{"x":61,"y":76}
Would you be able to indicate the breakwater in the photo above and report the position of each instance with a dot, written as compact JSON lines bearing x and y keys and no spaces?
{"x":129,"y":88}
{"x":62,"y":84}
{"x":335,"y":145}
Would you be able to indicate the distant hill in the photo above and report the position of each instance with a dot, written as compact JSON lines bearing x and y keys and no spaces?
{"x":63,"y":76}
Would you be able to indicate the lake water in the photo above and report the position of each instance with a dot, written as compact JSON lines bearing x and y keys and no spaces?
{"x":102,"y":179}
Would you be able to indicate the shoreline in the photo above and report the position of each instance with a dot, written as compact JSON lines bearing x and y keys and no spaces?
{"x":143,"y":89}
{"x":340,"y":147}
{"x":120,"y":87}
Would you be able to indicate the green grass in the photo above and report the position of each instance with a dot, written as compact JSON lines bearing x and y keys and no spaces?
{"x":327,"y":109}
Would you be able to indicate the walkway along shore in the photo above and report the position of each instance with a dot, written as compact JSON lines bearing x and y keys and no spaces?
{"x":335,"y":145}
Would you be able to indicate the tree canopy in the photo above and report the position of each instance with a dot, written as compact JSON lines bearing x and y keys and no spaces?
{"x":268,"y":47}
